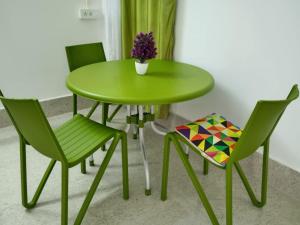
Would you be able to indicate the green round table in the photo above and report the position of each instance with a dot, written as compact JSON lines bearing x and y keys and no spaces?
{"x":117,"y":82}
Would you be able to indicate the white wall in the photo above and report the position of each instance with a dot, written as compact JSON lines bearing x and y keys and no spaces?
{"x":252,"y":49}
{"x":33,"y":35}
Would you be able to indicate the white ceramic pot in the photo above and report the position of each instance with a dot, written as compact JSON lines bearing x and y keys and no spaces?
{"x":141,"y":68}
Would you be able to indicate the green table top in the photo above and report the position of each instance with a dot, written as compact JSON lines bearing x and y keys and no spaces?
{"x":117,"y":82}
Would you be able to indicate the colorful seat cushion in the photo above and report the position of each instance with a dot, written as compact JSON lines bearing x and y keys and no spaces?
{"x":214,"y":136}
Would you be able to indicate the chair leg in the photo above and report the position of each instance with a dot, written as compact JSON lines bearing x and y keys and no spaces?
{"x":165,"y":172}
{"x":96,"y":181}
{"x":229,"y":220}
{"x":205,"y":166}
{"x":83,"y":167}
{"x":64,"y":194}
{"x":187,"y":151}
{"x":264,"y":185}
{"x":104,"y":113}
{"x":104,"y":117}
{"x":74,"y":104}
{"x":91,"y":159}
{"x":125,"y":166}
{"x":194,"y":179}
{"x":32,"y":203}
{"x":110,"y":118}
{"x":92,"y":110}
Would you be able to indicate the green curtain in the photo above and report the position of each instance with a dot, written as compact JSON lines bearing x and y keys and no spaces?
{"x":157,"y":16}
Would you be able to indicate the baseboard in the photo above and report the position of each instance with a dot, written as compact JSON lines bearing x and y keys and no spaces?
{"x":52,"y":107}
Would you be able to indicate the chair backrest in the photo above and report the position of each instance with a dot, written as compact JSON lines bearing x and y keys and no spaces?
{"x":31,"y":123}
{"x":261,"y":124}
{"x":84,"y":54}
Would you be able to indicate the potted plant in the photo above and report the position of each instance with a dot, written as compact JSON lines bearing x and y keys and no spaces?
{"x":143,"y":50}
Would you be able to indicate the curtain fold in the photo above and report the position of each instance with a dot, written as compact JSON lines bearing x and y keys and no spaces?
{"x":157,"y":16}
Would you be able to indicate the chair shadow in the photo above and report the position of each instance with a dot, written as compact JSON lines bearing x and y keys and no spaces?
{"x":74,"y":196}
{"x":81,"y":194}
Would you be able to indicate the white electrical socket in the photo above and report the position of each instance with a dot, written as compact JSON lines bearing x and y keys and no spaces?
{"x":89,"y":14}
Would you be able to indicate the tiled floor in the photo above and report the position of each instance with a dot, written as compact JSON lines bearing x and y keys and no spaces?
{"x":108,"y":207}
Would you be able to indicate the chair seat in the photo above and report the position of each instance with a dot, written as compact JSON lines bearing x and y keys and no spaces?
{"x":79,"y":137}
{"x":213,"y":136}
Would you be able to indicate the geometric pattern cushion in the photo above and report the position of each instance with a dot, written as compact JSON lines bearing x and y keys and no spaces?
{"x":214,"y":136}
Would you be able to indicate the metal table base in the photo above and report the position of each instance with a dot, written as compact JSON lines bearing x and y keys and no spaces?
{"x":139,"y":118}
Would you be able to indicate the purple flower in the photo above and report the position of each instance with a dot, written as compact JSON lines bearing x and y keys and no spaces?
{"x":144,"y":47}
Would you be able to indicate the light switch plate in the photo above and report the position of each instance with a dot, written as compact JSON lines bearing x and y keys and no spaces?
{"x":89,"y":14}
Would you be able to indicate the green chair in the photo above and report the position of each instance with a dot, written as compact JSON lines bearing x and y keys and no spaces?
{"x":82,"y":55}
{"x":69,"y":144}
{"x":224,"y":144}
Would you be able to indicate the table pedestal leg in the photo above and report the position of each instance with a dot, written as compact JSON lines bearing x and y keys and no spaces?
{"x":137,"y":117}
{"x":143,"y":151}
{"x":187,"y":150}
{"x":153,"y":125}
